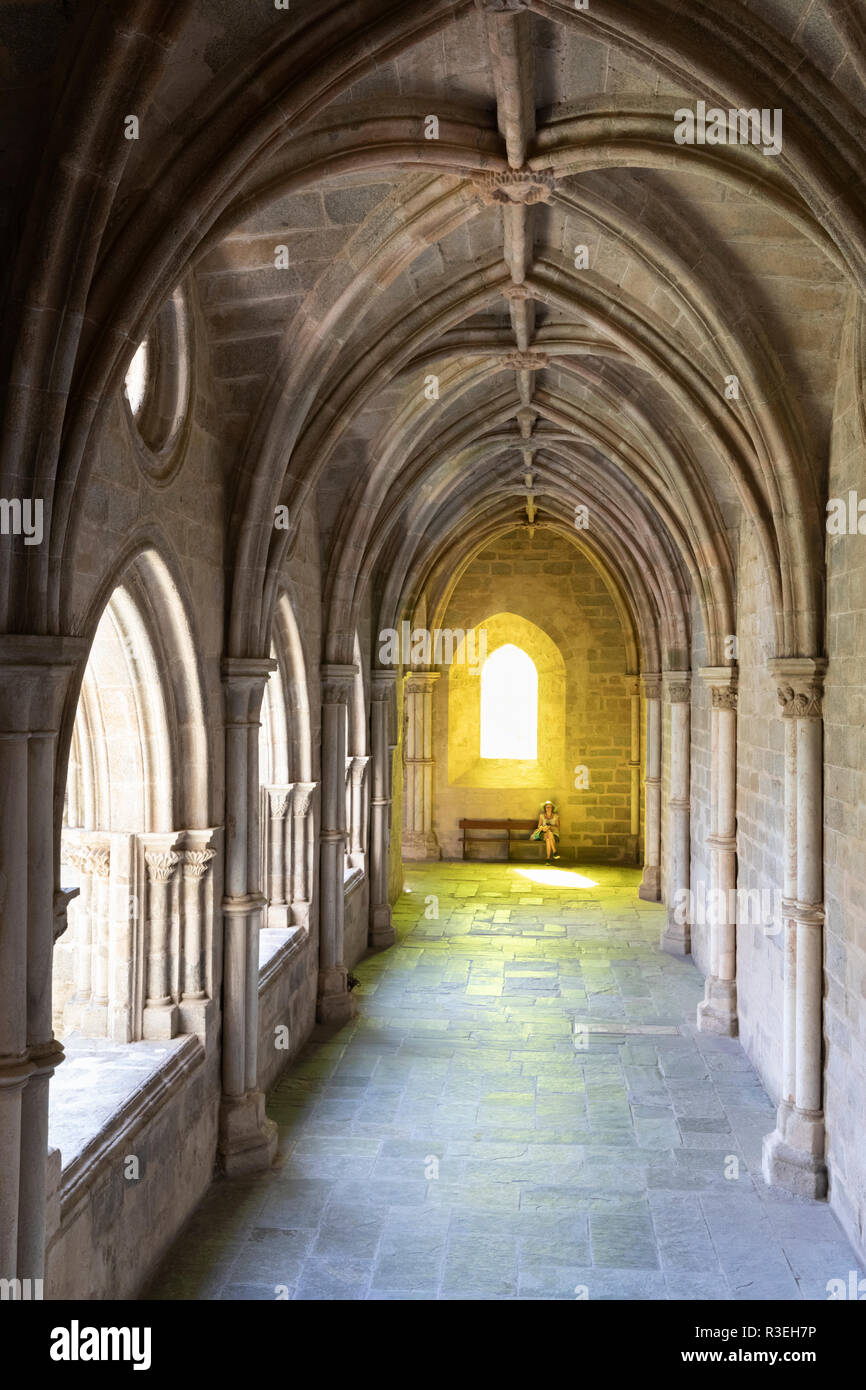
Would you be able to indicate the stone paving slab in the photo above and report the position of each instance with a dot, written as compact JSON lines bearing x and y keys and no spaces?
{"x":523,"y":1109}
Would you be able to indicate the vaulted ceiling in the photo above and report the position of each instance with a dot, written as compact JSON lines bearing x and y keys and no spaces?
{"x":434,"y":170}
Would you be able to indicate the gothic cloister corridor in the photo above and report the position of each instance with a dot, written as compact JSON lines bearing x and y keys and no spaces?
{"x":432,"y":443}
{"x":463,"y":1139}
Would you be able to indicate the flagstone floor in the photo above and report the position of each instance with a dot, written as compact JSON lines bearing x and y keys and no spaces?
{"x":522,"y":1109}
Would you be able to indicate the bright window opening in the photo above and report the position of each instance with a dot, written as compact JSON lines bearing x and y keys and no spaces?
{"x":509,"y":705}
{"x":135,"y":380}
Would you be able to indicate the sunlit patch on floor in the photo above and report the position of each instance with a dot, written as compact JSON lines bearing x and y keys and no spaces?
{"x":559,"y":878}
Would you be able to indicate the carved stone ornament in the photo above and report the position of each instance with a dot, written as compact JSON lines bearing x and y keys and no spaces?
{"x":680,"y":693}
{"x":724,"y":697}
{"x":161,"y":865}
{"x":525,"y":186}
{"x":304,"y":797}
{"x":517,"y":292}
{"x":800,"y":704}
{"x":336,"y":690}
{"x":279,"y":802}
{"x":527,"y":361}
{"x":196,"y":861}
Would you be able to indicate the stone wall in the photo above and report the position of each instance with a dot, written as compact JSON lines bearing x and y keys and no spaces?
{"x":113,"y":1231}
{"x":701,"y":816}
{"x":760,"y":818}
{"x":845,"y":810}
{"x":549,"y":583}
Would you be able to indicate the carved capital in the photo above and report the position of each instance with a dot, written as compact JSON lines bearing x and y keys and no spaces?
{"x":161,"y":865}
{"x":724,"y":697}
{"x":337,"y":682}
{"x":382,"y":684}
{"x":359,"y":770}
{"x":279,"y":804}
{"x":804,"y":702}
{"x":96,"y":859}
{"x":652,"y":685}
{"x":303,"y":799}
{"x":679,"y":692}
{"x":196,"y":862}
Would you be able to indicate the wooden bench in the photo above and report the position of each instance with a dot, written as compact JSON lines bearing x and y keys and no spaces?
{"x":503,"y":834}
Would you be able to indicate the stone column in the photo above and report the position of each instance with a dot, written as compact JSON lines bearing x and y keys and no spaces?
{"x":36,"y":674}
{"x":633,"y":687}
{"x":717,"y":1012}
{"x":248,"y":1139}
{"x":651,"y":884}
{"x":676,"y":936}
{"x":94,"y":1021}
{"x":358,"y":827}
{"x":302,"y":840}
{"x":279,"y":853}
{"x":194,"y":1002}
{"x":335,"y":1004}
{"x":419,"y":840}
{"x":383,"y":694}
{"x":794,"y":1153}
{"x":160,"y":1016}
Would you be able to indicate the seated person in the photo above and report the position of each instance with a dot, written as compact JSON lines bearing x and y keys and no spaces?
{"x":548,"y":830}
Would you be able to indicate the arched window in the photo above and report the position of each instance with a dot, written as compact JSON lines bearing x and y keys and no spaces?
{"x":509,"y":705}
{"x":134,"y":962}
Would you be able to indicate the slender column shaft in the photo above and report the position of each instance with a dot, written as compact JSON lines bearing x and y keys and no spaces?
{"x":335,"y":1003}
{"x":302,"y":840}
{"x":634,"y":765}
{"x":14,"y":1064}
{"x":383,"y":694}
{"x":794,"y":1152}
{"x":247,"y":1137}
{"x":717,"y":1012}
{"x":196,"y":864}
{"x":278,"y":802}
{"x":36,"y":675}
{"x":676,"y":936}
{"x":650,"y":888}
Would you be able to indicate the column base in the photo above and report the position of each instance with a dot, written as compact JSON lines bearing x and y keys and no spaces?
{"x":197,"y":1016}
{"x":651,"y":884}
{"x":335,"y":1005}
{"x":382,"y":933}
{"x":717,"y":1011}
{"x":248,"y":1139}
{"x":278,"y":915}
{"x":676,"y":938}
{"x":416,"y":845}
{"x":793,"y":1155}
{"x":159,"y":1022}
